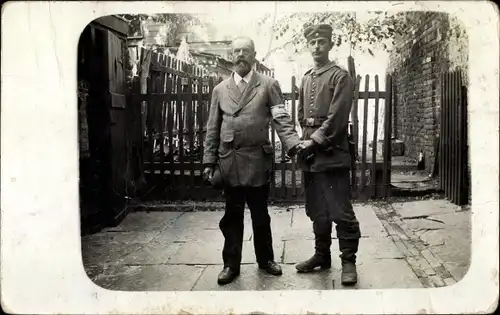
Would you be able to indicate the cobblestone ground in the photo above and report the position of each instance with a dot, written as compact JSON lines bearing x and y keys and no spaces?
{"x":405,"y":245}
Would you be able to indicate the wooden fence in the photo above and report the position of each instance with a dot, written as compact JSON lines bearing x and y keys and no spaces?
{"x":453,"y":139}
{"x":176,"y":98}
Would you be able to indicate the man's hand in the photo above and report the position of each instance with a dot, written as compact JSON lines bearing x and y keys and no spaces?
{"x":208,"y":172}
{"x":296,"y":149}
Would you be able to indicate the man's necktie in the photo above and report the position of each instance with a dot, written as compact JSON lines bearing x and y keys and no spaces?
{"x":242,"y":85}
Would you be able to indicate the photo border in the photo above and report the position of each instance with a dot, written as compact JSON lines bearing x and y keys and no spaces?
{"x":41,"y":259}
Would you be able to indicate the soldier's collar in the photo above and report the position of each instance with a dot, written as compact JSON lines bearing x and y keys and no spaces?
{"x":326,"y":67}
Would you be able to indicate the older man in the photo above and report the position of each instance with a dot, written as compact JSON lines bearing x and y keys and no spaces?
{"x":325,"y":100}
{"x":237,"y":143}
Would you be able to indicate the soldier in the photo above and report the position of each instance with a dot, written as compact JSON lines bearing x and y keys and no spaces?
{"x":325,"y":100}
{"x":238,"y":150}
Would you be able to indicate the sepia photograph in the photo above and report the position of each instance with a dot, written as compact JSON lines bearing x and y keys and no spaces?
{"x":273,"y":151}
{"x":232,"y":157}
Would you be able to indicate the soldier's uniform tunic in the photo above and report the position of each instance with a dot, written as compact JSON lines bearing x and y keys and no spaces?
{"x":325,"y":100}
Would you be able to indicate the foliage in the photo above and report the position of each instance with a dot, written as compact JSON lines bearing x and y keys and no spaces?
{"x":379,"y":30}
{"x":173,"y":21}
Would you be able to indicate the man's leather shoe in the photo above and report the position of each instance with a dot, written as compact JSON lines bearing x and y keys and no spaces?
{"x":324,"y":262}
{"x":227,"y":275}
{"x":271,"y":267}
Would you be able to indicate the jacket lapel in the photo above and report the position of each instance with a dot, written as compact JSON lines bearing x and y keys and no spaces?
{"x":249,"y":93}
{"x":233,"y":91}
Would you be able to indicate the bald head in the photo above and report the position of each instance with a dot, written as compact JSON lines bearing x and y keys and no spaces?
{"x":243,"y":40}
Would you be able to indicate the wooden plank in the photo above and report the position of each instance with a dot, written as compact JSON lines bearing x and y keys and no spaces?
{"x":294,"y":118}
{"x":163,"y":117}
{"x":354,"y":166}
{"x":150,"y":121}
{"x":456,"y":165}
{"x":199,"y":112}
{"x":441,"y":124}
{"x":170,"y":124}
{"x":372,"y":94}
{"x":387,"y":138}
{"x":464,"y":194}
{"x":453,"y":136}
{"x":117,"y":100}
{"x":278,"y":167}
{"x":171,"y":96}
{"x":387,"y":170}
{"x":374,"y":143}
{"x":190,"y":122}
{"x":448,"y":135}
{"x":114,"y":23}
{"x":365,"y":130}
{"x":273,"y":190}
{"x":180,"y":126}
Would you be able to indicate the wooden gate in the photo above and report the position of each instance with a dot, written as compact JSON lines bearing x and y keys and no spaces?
{"x":174,"y":98}
{"x":453,"y":139}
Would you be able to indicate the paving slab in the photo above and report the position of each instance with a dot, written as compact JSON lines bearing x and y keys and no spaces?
{"x":146,"y":221}
{"x":302,"y":226}
{"x":211,"y":253}
{"x":98,"y":252}
{"x":172,"y":234}
{"x":107,"y":237}
{"x":383,"y":274}
{"x":424,"y":207}
{"x":150,"y":278}
{"x":372,"y":248}
{"x":151,"y":254}
{"x":251,"y":278}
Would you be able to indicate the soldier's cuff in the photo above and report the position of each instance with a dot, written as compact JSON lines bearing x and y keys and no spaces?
{"x":210,"y":160}
{"x":319,"y":138}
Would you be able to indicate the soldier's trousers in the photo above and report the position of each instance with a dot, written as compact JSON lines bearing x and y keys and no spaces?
{"x":232,"y":225}
{"x":328,"y":199}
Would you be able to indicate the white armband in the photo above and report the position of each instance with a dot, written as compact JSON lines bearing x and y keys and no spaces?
{"x":279,"y":111}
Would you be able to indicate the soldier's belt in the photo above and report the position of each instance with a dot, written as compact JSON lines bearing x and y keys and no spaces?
{"x":313,"y":122}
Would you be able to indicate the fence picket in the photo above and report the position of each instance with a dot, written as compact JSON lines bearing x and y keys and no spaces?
{"x":354,"y":185}
{"x":373,"y":180}
{"x":294,"y":159}
{"x":162,"y":121}
{"x":365,"y":129}
{"x":190,"y":123}
{"x":386,"y":176}
{"x":180,"y":132}
{"x":199,"y":113}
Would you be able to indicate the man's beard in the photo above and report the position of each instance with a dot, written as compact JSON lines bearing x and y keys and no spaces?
{"x":242,"y":67}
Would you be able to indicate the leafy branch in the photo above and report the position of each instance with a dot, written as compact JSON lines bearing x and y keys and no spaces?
{"x":380,"y":30}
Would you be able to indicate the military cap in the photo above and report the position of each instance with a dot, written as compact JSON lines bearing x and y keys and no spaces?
{"x":320,"y":30}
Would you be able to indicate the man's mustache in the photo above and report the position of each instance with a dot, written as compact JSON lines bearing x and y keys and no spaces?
{"x":241,"y":60}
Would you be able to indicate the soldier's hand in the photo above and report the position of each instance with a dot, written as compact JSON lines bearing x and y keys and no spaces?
{"x":208,"y":172}
{"x":296,"y":149}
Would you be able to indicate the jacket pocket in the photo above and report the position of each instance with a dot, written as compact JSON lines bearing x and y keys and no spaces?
{"x":268,"y":156}
{"x":268,"y":149}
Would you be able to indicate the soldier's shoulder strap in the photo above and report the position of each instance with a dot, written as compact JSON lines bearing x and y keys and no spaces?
{"x":308,"y":71}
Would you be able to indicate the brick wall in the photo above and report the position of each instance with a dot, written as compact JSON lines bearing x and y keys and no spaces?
{"x":434,"y":43}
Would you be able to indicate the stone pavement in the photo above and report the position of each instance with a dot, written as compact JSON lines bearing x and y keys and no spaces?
{"x":408,"y":245}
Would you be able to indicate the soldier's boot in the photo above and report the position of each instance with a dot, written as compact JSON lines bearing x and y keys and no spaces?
{"x":348,"y":248}
{"x":322,"y":257}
